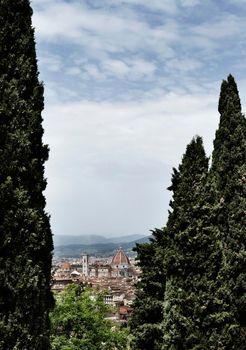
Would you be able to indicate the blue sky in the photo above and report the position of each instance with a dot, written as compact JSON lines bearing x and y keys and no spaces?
{"x":127,"y":85}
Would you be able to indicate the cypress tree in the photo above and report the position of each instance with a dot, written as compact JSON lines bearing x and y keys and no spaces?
{"x":191,"y":258}
{"x":177,"y":265}
{"x":228,"y":173}
{"x":148,"y":312}
{"x":25,"y":236}
{"x":203,"y":272}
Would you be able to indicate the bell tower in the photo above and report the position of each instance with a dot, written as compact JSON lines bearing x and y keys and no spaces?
{"x":85,"y":264}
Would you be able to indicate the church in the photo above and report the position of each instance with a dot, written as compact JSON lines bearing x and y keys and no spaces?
{"x":120,"y":266}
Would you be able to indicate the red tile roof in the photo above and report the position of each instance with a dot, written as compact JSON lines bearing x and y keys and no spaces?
{"x":120,"y":258}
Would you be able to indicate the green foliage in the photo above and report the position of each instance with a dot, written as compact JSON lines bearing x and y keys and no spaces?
{"x":228,"y":171}
{"x":171,"y":263}
{"x":78,"y":322}
{"x":191,"y":256}
{"x":146,"y":320}
{"x":203,"y":265}
{"x":25,"y":240}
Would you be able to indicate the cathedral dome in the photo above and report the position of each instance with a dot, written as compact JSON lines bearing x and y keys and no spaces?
{"x":66,"y":266}
{"x":120,"y":259}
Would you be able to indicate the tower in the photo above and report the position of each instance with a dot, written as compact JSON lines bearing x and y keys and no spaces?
{"x":85,"y":264}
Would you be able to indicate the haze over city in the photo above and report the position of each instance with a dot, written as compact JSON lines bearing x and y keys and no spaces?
{"x":127,"y":85}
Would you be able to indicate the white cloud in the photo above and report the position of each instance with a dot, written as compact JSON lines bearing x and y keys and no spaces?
{"x":164,"y":59}
{"x":117,"y":67}
{"x":99,"y":151}
{"x":92,"y":70}
{"x":190,"y":3}
{"x":95,"y":129}
{"x":100,"y":31}
{"x":167,"y":6}
{"x":57,"y":93}
{"x":51,"y":62}
{"x":184,"y":64}
{"x":221,"y":27}
{"x":73,"y":71}
{"x":117,"y":42}
{"x":132,"y":69}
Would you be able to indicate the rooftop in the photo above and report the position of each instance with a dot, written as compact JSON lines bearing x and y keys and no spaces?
{"x":120,"y":258}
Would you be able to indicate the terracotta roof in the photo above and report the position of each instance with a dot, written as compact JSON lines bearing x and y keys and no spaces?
{"x":66,"y":266}
{"x":120,"y":258}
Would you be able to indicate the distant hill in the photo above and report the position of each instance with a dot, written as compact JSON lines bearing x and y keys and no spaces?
{"x":60,"y":240}
{"x":98,"y":249}
{"x":125,"y":239}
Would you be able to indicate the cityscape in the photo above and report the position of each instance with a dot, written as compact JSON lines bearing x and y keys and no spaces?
{"x":115,"y":275}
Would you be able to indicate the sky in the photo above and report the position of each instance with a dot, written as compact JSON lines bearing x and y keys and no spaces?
{"x":127,"y":85}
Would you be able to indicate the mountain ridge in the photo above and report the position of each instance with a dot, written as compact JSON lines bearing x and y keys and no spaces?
{"x":98,"y":249}
{"x":62,"y":240}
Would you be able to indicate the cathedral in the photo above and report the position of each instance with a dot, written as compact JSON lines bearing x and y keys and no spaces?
{"x":98,"y":271}
{"x":120,"y":266}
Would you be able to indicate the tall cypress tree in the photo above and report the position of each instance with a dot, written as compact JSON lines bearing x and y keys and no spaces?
{"x":176,"y":265}
{"x":204,"y":256}
{"x":228,"y":172}
{"x":25,"y":236}
{"x":191,"y":258}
